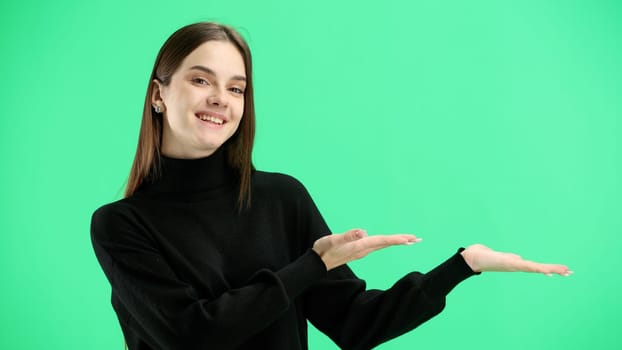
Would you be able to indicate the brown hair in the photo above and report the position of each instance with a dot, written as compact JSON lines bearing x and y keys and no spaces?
{"x":238,"y":148}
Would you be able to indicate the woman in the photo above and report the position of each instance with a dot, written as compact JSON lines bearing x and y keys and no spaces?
{"x":205,"y":252}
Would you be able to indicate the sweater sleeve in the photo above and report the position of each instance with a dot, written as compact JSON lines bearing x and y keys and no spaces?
{"x":169,"y":313}
{"x":356,"y":318}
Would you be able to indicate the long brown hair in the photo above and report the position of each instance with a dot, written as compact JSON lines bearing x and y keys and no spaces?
{"x":238,"y":148}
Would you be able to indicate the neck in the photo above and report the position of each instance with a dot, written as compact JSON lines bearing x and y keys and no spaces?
{"x":193,"y":175}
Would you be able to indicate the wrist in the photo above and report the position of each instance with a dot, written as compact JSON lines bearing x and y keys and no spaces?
{"x":322,"y":257}
{"x":469,"y":259}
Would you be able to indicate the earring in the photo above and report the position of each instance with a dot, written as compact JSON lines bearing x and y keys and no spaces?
{"x":157,"y":109}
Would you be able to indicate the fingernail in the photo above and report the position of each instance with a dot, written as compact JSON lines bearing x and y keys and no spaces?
{"x":413,"y":241}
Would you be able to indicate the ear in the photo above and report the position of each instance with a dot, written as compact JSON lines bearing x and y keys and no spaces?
{"x":156,"y":94}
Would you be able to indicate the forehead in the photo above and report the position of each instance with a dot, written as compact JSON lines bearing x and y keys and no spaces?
{"x":220,"y":56}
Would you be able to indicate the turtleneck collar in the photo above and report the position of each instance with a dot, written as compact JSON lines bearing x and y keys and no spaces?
{"x":192,"y":175}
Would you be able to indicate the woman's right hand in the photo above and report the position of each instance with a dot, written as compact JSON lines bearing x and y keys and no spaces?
{"x":338,"y":249}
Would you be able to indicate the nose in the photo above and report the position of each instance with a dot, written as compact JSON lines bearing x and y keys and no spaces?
{"x":216,"y":98}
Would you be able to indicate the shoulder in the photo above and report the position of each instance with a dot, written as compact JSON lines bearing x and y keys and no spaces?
{"x":278,"y":184}
{"x":112,"y":217}
{"x":112,"y":211}
{"x":277,"y":181}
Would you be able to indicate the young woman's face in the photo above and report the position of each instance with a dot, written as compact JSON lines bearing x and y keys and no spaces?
{"x":204,"y":102}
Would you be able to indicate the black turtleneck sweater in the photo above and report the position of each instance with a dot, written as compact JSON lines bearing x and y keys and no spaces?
{"x":189,"y":271}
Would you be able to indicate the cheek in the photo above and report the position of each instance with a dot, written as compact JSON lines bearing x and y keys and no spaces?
{"x":239,"y":110}
{"x":179,"y":96}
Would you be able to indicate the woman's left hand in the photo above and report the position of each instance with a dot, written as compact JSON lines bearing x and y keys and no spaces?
{"x":481,"y":258}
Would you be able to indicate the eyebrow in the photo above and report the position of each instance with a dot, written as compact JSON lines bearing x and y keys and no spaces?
{"x":209,"y":71}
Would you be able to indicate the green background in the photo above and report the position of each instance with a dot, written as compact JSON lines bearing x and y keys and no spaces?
{"x":460,"y":121}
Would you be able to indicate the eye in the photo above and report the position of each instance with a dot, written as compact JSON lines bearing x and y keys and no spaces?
{"x":237,"y":90}
{"x":200,"y":81}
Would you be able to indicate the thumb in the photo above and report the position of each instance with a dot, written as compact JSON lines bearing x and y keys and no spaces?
{"x":354,"y":234}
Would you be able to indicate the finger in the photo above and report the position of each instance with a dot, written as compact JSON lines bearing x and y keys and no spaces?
{"x":561,"y":270}
{"x":410,"y":238}
{"x":363,"y":253}
{"x":515,"y":256}
{"x":383,"y":241}
{"x":368,"y":246}
{"x":547,"y":269}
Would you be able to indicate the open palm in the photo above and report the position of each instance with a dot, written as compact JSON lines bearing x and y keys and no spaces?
{"x":481,"y":258}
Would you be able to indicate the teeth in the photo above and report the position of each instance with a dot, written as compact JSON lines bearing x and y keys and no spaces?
{"x":210,"y":119}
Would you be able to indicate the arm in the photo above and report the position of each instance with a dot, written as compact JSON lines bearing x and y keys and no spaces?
{"x":355,"y":318}
{"x":171,"y":314}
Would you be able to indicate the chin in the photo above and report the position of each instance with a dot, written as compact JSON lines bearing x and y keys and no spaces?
{"x":211,"y":147}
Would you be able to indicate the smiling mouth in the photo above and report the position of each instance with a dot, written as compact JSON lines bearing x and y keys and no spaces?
{"x":210,"y":119}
